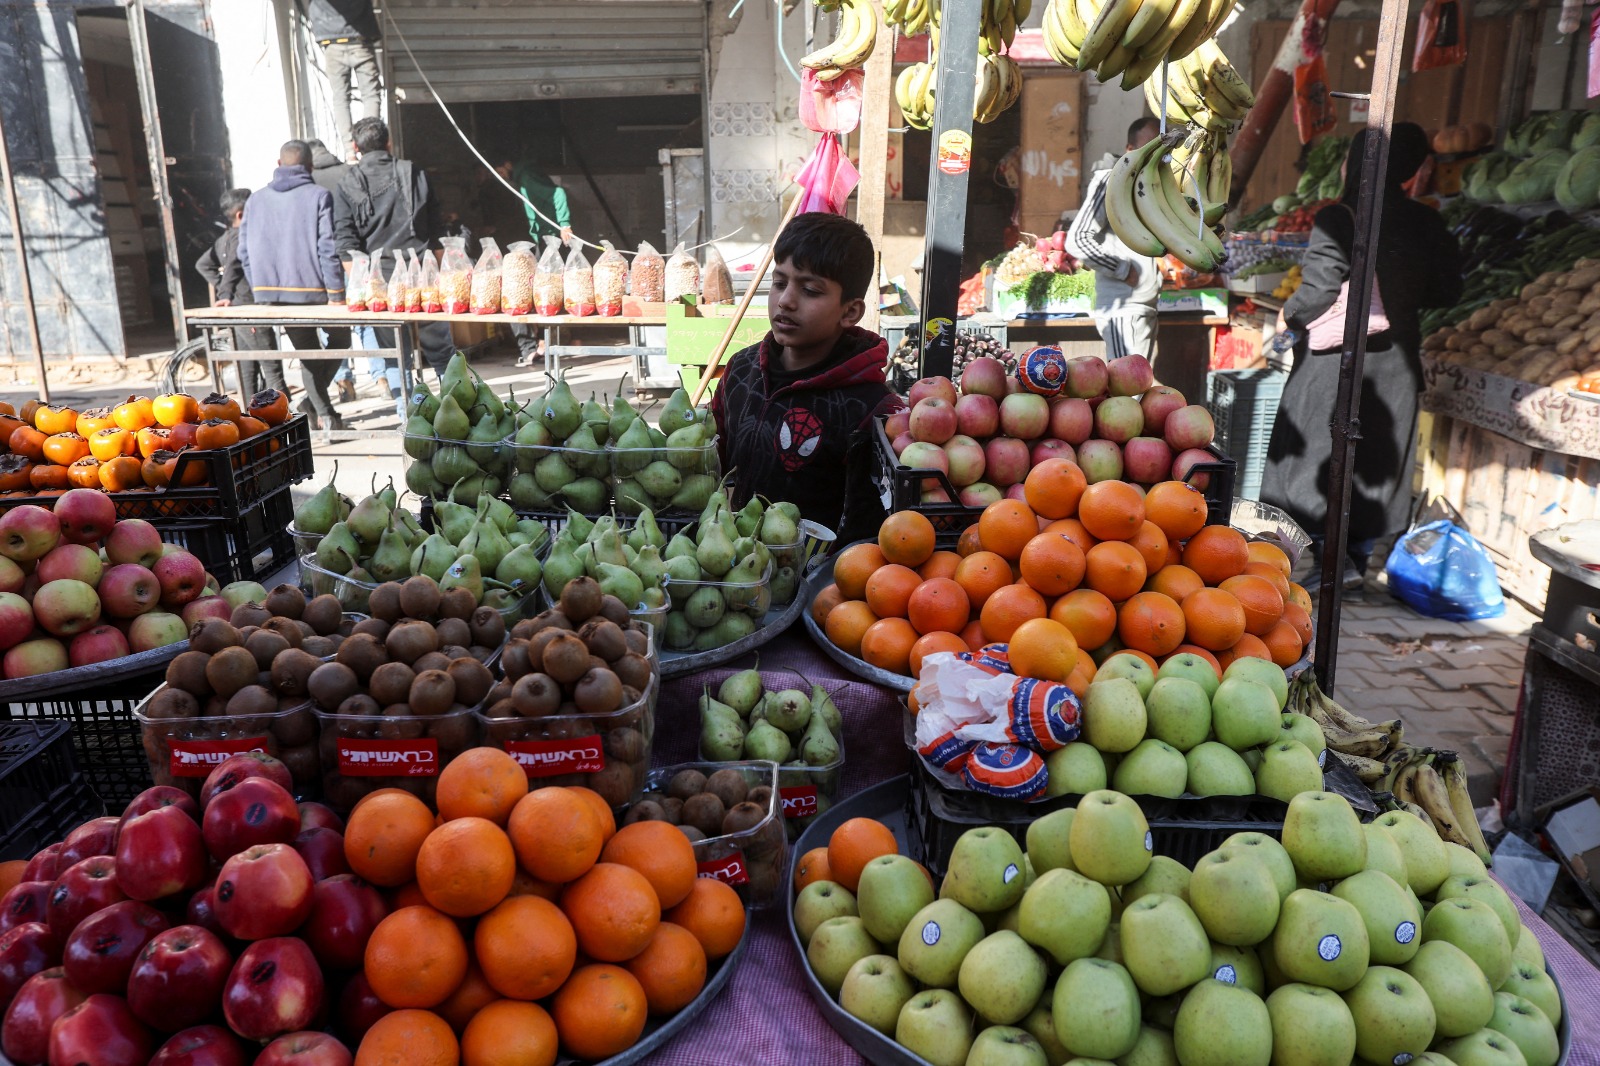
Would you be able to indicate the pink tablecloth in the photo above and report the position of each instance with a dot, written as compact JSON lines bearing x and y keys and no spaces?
{"x":766,"y":1017}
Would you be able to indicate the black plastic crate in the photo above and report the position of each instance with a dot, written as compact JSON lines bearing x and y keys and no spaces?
{"x":42,"y":794}
{"x":106,"y":742}
{"x":246,"y":547}
{"x":49,"y":821}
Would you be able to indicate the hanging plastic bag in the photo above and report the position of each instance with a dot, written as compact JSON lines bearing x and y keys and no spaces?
{"x":716,"y":284}
{"x":1594,"y":54}
{"x":1313,"y":107}
{"x":355,"y":283}
{"x":578,"y":283}
{"x":646,"y":278}
{"x":832,"y":106}
{"x":1440,"y":570}
{"x":610,"y":281}
{"x":431,"y":301}
{"x":399,"y":283}
{"x":1441,"y":35}
{"x":377,"y":284}
{"x":455,"y":276}
{"x":486,"y":279}
{"x":548,"y":296}
{"x":683,"y":275}
{"x":516,"y":279}
{"x":414,"y":300}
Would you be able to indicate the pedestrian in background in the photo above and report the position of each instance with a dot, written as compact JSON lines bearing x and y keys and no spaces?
{"x":346,"y":30}
{"x":548,"y":216}
{"x":222,"y":270}
{"x":1126,"y":284}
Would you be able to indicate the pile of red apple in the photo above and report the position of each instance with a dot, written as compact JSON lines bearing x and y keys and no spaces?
{"x":78,"y":586}
{"x":1110,"y":418}
{"x":189,"y":934}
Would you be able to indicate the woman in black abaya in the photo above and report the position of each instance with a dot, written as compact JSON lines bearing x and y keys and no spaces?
{"x":1418,"y":266}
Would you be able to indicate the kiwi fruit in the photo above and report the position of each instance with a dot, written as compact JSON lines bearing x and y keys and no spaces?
{"x":551,"y":619}
{"x":306,"y":630}
{"x":514,"y":660}
{"x":363,"y":654}
{"x":211,"y":635}
{"x":704,"y":811}
{"x":454,"y":652}
{"x":285,"y":601}
{"x":296,"y":727}
{"x":597,"y":663}
{"x":249,"y":614}
{"x":536,"y":695}
{"x":761,"y":796}
{"x":742,"y":816}
{"x":432,"y":661}
{"x":453,"y":631}
{"x":419,"y":597}
{"x":566,"y":657}
{"x":376,"y":627}
{"x":331,"y":684}
{"x":187,"y":671}
{"x":384,"y":602}
{"x":172,"y":703}
{"x":265,"y":646}
{"x":320,"y":647}
{"x":604,"y":638}
{"x":626,"y":745}
{"x":537,"y":644}
{"x":694,"y":835}
{"x":614,"y":610}
{"x":645,"y":811}
{"x":291,"y":671}
{"x":500,"y":691}
{"x":287,"y":628}
{"x":457,"y":603}
{"x":323,"y":613}
{"x":633,"y":670}
{"x":729,"y":786}
{"x":360,"y":704}
{"x":524,"y":629}
{"x":432,"y":692}
{"x":502,"y":708}
{"x":395,"y":727}
{"x":638,"y":641}
{"x":455,"y":732}
{"x":672,"y":807}
{"x":391,"y":683}
{"x":686,"y":783}
{"x":397,"y":710}
{"x":410,"y":641}
{"x":488,"y":627}
{"x":252,"y":700}
{"x":580,"y":600}
{"x":230,"y":670}
{"x":473,"y":680}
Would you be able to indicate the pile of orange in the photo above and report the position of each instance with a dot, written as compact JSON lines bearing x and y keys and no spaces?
{"x":1068,"y":576}
{"x":527,"y":925}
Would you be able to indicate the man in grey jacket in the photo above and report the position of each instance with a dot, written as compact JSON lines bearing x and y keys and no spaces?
{"x":1126,"y":283}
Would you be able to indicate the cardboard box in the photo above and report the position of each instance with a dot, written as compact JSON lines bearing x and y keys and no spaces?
{"x":1574,"y":832}
{"x":1209,"y":301}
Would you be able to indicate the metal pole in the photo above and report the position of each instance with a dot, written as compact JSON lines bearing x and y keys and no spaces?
{"x":1346,"y":424}
{"x":877,"y":88}
{"x":139,"y":38}
{"x":21,"y":246}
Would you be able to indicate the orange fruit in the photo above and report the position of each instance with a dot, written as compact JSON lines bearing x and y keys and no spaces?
{"x":409,"y":1038}
{"x":557,"y":835}
{"x":1054,"y":487}
{"x":1216,"y":553}
{"x":1073,"y":530}
{"x":1175,"y":580}
{"x":600,"y":1012}
{"x":525,"y":884}
{"x":889,"y":590}
{"x":906,"y":537}
{"x":1081,"y":678}
{"x":1174,"y":553}
{"x":1044,"y":649}
{"x":813,"y":866}
{"x":1151,"y":623}
{"x":1215,"y":619}
{"x":415,"y":958}
{"x":1151,"y":544}
{"x":1179,"y":509}
{"x":856,"y":843}
{"x":1088,"y":615}
{"x":854,"y":565}
{"x":614,"y":910}
{"x":1297,"y":617}
{"x":1195,"y":649}
{"x":1006,"y":526}
{"x":1270,"y":574}
{"x":931,"y":643}
{"x":466,"y":866}
{"x":1111,"y":510}
{"x":508,"y":1033}
{"x":481,"y":783}
{"x":939,"y":604}
{"x":384,"y":834}
{"x":660,"y":852}
{"x":11,"y":874}
{"x":671,"y":969}
{"x":981,"y":575}
{"x":1261,"y":551}
{"x":602,"y":809}
{"x":968,"y":542}
{"x":407,"y":895}
{"x":526,"y":947}
{"x":887,"y":644}
{"x":1262,"y":604}
{"x":1008,"y":608}
{"x":1115,"y":569}
{"x":939,"y":564}
{"x":1248,"y":647}
{"x":847,"y":624}
{"x":1051,"y":564}
{"x":714,"y":914}
{"x":1300,"y":597}
{"x":829,"y":598}
{"x":471,"y":995}
{"x":1283,"y":643}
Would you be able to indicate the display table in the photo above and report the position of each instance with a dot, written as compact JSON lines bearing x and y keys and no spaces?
{"x":766,"y":1017}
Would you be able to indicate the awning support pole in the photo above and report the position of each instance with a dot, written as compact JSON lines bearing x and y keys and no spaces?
{"x":21,"y":246}
{"x":144,"y":75}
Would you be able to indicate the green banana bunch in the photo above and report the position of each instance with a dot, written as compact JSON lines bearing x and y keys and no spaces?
{"x":1130,"y":37}
{"x":1150,"y":211}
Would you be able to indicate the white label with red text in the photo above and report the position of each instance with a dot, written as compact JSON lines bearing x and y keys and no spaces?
{"x":389,"y":758}
{"x":197,"y":758}
{"x":546,"y":758}
{"x":799,"y":801}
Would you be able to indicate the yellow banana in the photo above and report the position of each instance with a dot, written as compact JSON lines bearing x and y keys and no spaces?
{"x":1105,"y":35}
{"x":1120,"y":211}
{"x":1146,"y":23}
{"x":1198,"y":28}
{"x":1182,"y":14}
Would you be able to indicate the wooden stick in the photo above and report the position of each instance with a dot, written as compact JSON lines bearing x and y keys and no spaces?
{"x":744,"y":304}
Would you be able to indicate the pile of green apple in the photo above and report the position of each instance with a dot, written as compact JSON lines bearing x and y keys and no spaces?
{"x":1345,"y":942}
{"x":1183,"y":730}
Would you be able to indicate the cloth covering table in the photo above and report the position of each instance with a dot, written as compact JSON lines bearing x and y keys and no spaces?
{"x":765,"y":1017}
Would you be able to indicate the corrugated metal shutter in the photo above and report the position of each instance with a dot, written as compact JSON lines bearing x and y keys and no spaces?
{"x":483,"y":50}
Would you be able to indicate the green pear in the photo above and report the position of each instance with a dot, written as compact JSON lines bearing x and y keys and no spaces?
{"x":1164,"y":946}
{"x":519,"y":566}
{"x":1163,"y":875}
{"x":1110,"y":839}
{"x":337,"y":550}
{"x":836,"y":945}
{"x":1065,"y":915}
{"x":777,"y":529}
{"x":818,"y":747}
{"x":559,"y":411}
{"x":1320,"y":940}
{"x":1222,"y":1025}
{"x":623,"y":416}
{"x":789,"y":710}
{"x":1075,"y":770}
{"x":1048,"y":842}
{"x":1324,"y":837}
{"x":721,"y":735}
{"x":597,"y":419}
{"x":484,"y":440}
{"x":588,"y":494}
{"x":875,"y":991}
{"x":1096,"y":1008}
{"x":1462,"y":1000}
{"x":465,"y":573}
{"x":451,"y":465}
{"x":677,"y":413}
{"x":714,"y":553}
{"x":1217,"y":770}
{"x":984,"y":873}
{"x":1002,"y":977}
{"x":585,"y":455}
{"x":742,"y":691}
{"x":433,"y":557}
{"x":819,"y":901}
{"x":451,"y":423}
{"x":419,"y":441}
{"x":694,"y":491}
{"x":420,"y":479}
{"x":765,"y":741}
{"x":822,"y":706}
{"x":457,"y":381}
{"x":1179,"y":712}
{"x":1114,"y":718}
{"x":1287,"y":769}
{"x":391,"y":560}
{"x":369,"y":519}
{"x":423,"y":402}
{"x":936,"y":940}
{"x":678,"y":546}
{"x":1311,"y":1026}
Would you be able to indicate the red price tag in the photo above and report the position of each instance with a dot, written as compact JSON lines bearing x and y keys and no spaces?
{"x":389,"y":758}
{"x":197,"y":758}
{"x":730,"y":870}
{"x":799,"y":801}
{"x":546,"y":758}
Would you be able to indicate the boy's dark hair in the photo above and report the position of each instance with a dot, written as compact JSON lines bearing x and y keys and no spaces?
{"x":1141,"y":123}
{"x":234,"y":200}
{"x":831,"y":246}
{"x":371,"y":134}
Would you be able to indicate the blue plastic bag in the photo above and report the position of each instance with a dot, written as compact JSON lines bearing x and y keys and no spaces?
{"x":1440,"y":570}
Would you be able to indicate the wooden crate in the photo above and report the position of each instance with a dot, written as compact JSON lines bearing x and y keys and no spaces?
{"x":1507,"y":491}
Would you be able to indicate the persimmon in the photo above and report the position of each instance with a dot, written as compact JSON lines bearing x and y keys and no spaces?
{"x":193,"y":472}
{"x":28,"y":409}
{"x":6,"y":408}
{"x":181,"y":436}
{"x":152,"y":439}
{"x":49,"y":476}
{"x":216,"y":433}
{"x":15,"y":473}
{"x":173,"y":407}
{"x":120,"y":474}
{"x":271,"y":406}
{"x":9,"y":424}
{"x":219,"y":405}
{"x":65,"y":448}
{"x":250,"y":425}
{"x":93,"y":421}
{"x":85,"y":473}
{"x":154,"y":470}
{"x":51,"y":420}
{"x":112,"y":442}
{"x":27,"y":441}
{"x":135,"y":413}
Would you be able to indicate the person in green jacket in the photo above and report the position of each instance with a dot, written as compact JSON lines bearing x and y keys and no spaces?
{"x":548,"y":216}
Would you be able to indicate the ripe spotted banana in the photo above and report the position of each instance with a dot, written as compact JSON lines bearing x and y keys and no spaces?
{"x":858,"y":33}
{"x":1105,"y":34}
{"x":1455,"y":781}
{"x":1369,"y":771}
{"x":1120,"y":211}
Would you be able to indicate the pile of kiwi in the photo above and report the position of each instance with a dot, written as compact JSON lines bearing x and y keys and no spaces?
{"x":718,"y":813}
{"x":582,"y":668}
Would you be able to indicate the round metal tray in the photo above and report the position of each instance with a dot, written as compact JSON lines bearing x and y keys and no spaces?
{"x":682,"y":663}
{"x":815,"y":582}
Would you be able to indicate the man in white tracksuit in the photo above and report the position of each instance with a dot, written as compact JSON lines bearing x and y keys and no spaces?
{"x":1125,"y":283}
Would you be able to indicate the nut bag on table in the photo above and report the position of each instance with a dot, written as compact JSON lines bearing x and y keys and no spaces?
{"x":432,"y":302}
{"x":548,"y":291}
{"x":416,"y":299}
{"x":486,"y":279}
{"x":516,"y":278}
{"x":646,"y":278}
{"x":455,"y":276}
{"x":377,"y":284}
{"x":578,"y":284}
{"x":610,"y":281}
{"x":683,"y":275}
{"x":355,"y":284}
{"x":716,"y":284}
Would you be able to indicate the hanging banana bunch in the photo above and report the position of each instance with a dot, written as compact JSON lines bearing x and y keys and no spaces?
{"x":913,"y":92}
{"x":1170,"y":204}
{"x":851,"y":46}
{"x":997,"y":26}
{"x":998,"y":86}
{"x":1131,"y":38}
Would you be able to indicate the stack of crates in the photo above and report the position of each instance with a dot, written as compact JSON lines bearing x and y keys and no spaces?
{"x":1244,"y":404}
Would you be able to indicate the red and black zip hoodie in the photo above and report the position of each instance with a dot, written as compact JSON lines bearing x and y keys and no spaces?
{"x":807,"y":437}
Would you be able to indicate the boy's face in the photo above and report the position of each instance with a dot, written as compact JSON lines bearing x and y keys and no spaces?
{"x":807,"y":309}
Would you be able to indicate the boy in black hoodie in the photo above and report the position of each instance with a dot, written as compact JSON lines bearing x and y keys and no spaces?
{"x":795,"y":412}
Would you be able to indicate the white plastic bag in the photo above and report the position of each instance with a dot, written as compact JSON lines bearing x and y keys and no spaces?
{"x":578,"y":284}
{"x":486,"y":279}
{"x":610,"y":281}
{"x":683,"y":275}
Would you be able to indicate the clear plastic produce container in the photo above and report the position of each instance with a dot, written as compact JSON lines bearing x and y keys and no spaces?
{"x":537,"y":471}
{"x":436,"y":464}
{"x":749,"y":598}
{"x":753,"y":861}
{"x":362,"y":753}
{"x":806,"y":791}
{"x":353,"y":593}
{"x":183,"y":751}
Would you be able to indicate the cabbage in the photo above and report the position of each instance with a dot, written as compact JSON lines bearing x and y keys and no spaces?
{"x":1578,"y":186}
{"x":1534,"y":179}
{"x":1588,"y":134}
{"x":1483,"y":175}
{"x":1557,"y":132}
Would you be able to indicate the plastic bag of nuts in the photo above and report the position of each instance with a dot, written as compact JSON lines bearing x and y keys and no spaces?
{"x":577,"y":284}
{"x":610,"y":281}
{"x":548,"y":295}
{"x":455,"y":276}
{"x":646,"y":277}
{"x":682,"y":274}
{"x":414,"y":300}
{"x":399,"y":283}
{"x":431,"y":301}
{"x":716,"y":284}
{"x":355,"y":283}
{"x":377,"y":284}
{"x":516,"y":278}
{"x":486,"y":279}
